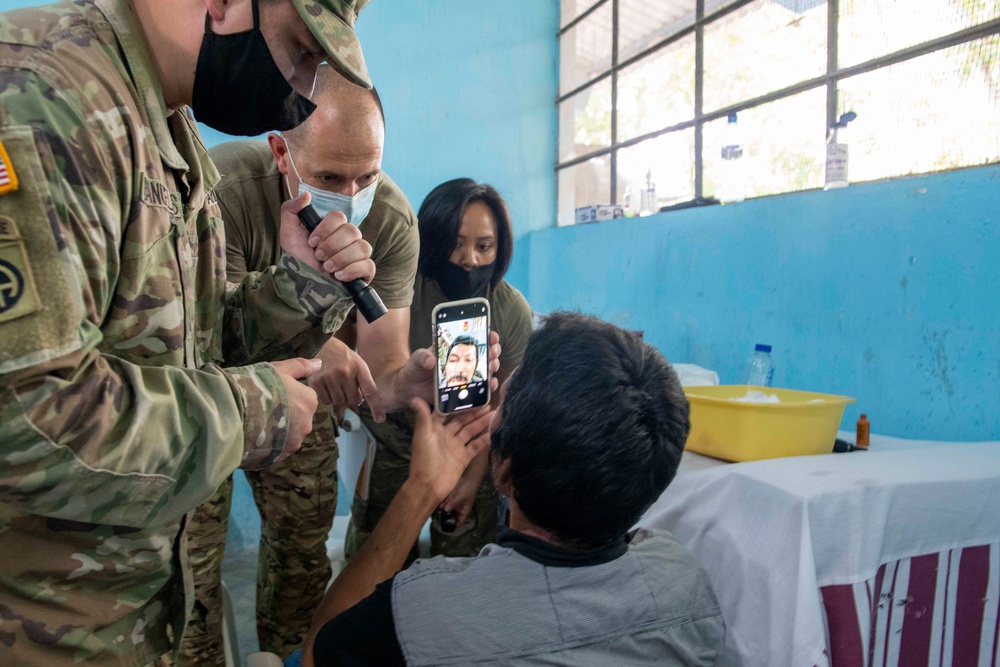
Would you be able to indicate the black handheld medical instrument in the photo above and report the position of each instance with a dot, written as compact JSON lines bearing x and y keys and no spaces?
{"x":365,"y":298}
{"x":449,"y":521}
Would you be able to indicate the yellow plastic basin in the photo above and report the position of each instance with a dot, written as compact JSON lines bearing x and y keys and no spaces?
{"x":804,"y":423}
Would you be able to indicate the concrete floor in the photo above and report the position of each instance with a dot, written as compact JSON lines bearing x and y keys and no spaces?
{"x":239,"y":571}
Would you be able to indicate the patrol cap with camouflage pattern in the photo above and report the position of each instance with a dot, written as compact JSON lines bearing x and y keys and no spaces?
{"x":332,"y":24}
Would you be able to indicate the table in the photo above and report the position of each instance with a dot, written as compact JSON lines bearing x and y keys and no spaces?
{"x":884,"y":557}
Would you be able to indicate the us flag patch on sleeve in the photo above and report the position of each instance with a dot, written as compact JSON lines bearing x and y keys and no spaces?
{"x":8,"y":177}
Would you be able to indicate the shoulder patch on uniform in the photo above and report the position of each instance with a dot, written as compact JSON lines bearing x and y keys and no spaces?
{"x":17,"y":286}
{"x":8,"y":177}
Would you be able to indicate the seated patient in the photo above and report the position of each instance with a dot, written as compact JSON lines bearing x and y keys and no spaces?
{"x":589,"y":433}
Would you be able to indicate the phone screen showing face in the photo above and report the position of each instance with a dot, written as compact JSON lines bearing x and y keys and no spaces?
{"x":461,"y":337}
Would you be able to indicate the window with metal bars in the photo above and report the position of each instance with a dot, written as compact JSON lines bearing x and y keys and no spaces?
{"x":646,"y":87}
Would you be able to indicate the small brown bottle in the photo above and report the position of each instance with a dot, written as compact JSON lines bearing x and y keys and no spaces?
{"x":864,"y":429}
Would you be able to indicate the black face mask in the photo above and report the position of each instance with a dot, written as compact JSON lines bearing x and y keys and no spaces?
{"x":238,"y":88}
{"x":457,"y":283}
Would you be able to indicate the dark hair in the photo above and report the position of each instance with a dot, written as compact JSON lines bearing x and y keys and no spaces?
{"x":464,"y":340}
{"x":594,"y":423}
{"x":440,"y":218}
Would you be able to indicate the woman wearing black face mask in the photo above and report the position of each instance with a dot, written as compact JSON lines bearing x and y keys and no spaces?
{"x":465,"y":249}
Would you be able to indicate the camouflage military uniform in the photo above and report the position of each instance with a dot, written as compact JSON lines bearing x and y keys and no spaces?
{"x":115,"y":417}
{"x":297,"y":498}
{"x":511,"y":318}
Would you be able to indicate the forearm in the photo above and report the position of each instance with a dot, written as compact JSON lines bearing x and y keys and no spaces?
{"x":380,"y":557}
{"x":385,"y":347}
{"x":143,"y":444}
{"x":287,"y":311}
{"x":478,"y":468}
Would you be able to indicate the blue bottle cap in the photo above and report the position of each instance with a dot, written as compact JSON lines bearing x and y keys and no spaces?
{"x":762,"y":348}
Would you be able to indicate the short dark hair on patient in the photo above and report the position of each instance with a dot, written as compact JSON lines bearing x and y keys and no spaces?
{"x":440,"y":218}
{"x":594,"y":424}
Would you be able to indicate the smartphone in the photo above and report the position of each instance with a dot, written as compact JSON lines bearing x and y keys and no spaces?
{"x":461,"y":335}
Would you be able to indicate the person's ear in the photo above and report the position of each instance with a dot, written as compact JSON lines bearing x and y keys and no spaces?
{"x":217,"y":9}
{"x":279,"y":149}
{"x":230,"y":16}
{"x":502,"y":477}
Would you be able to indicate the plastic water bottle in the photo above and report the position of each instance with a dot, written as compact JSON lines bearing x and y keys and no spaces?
{"x":627,"y":210}
{"x":836,"y":153}
{"x":649,"y":196}
{"x":733,"y":186}
{"x":760,"y":367}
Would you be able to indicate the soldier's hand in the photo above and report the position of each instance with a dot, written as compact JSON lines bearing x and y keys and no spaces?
{"x":345,"y":381}
{"x":335,"y":247}
{"x":302,"y":400}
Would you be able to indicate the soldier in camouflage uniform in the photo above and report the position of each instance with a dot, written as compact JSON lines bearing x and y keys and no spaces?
{"x":116,"y":417}
{"x":337,"y":150}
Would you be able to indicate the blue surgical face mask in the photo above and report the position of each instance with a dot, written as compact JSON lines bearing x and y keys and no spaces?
{"x":355,"y":208}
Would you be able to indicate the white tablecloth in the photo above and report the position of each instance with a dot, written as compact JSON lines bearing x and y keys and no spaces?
{"x":771,"y":534}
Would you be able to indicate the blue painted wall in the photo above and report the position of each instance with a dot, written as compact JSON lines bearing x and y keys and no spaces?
{"x":469,"y":90}
{"x":882,"y":291}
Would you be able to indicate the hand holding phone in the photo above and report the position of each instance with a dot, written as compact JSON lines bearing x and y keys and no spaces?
{"x":461,"y":333}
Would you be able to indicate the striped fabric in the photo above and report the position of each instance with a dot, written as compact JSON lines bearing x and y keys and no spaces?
{"x":940,"y":609}
{"x":832,"y":560}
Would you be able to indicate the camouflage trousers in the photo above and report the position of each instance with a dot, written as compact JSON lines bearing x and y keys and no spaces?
{"x":389,"y":471}
{"x":297,"y":499}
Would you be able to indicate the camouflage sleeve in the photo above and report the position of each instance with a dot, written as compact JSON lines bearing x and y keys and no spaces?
{"x":91,"y":438}
{"x":88,"y":436}
{"x":286,"y":311}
